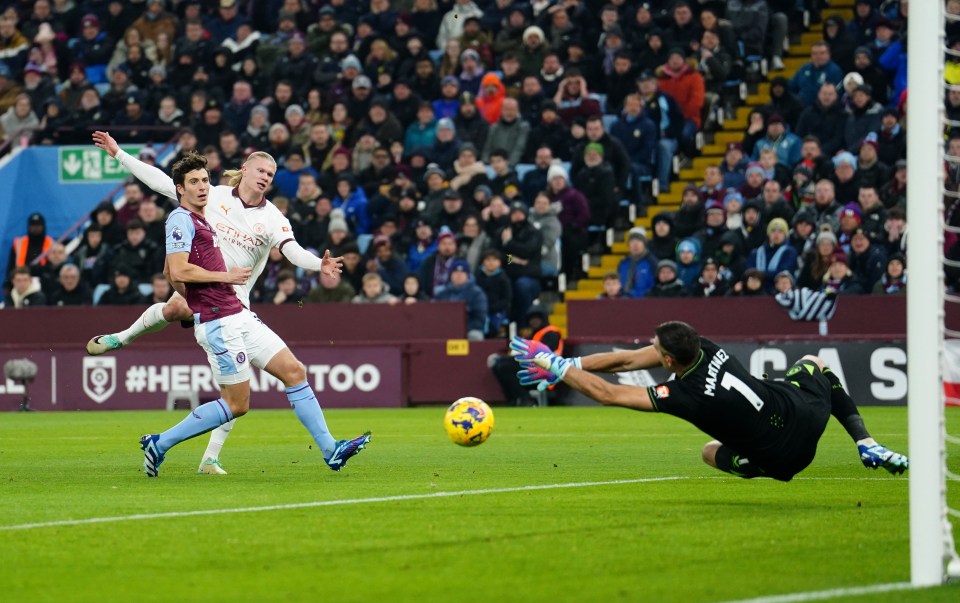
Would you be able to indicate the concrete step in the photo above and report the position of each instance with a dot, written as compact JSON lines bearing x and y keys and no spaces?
{"x":583,"y":294}
{"x":589,"y":284}
{"x":727,"y":135}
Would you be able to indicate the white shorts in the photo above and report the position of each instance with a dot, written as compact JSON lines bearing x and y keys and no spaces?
{"x":235,"y":342}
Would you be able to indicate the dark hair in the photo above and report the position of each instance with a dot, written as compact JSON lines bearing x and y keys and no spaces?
{"x":21,"y":270}
{"x":284,"y":275}
{"x":679,"y":340}
{"x":500,"y":153}
{"x":191,"y":161}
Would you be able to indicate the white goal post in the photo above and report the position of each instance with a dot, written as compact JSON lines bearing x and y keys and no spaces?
{"x":931,"y":541}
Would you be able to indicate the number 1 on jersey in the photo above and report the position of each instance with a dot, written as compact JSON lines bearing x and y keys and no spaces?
{"x":730,"y":381}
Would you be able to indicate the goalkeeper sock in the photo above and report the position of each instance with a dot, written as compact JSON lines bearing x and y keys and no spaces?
{"x":217,"y":437}
{"x":150,"y":321}
{"x":844,"y":409}
{"x":307,"y":409}
{"x":200,"y":420}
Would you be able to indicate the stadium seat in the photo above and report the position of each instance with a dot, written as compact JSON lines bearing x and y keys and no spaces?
{"x":436,"y":55}
{"x":523,"y":168}
{"x":145,"y":289}
{"x":98,"y":292}
{"x":608,"y":121}
{"x":600,"y":98}
{"x":363,"y":241}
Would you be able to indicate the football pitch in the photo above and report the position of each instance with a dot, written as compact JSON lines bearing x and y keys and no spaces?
{"x":560,"y":504}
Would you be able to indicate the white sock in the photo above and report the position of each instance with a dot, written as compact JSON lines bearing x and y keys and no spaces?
{"x":150,"y":321}
{"x":868,"y":442}
{"x":217,"y":437}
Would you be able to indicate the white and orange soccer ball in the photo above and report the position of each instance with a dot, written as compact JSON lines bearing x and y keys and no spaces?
{"x":469,"y":421}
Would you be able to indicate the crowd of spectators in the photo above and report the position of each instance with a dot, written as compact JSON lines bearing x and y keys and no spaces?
{"x":469,"y":149}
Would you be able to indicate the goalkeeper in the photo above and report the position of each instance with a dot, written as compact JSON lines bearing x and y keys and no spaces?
{"x":761,"y":428}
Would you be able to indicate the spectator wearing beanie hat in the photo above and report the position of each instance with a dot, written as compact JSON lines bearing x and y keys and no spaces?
{"x":446,"y":148}
{"x":574,"y":217}
{"x":755,"y":177}
{"x":894,"y":279}
{"x":463,"y":288}
{"x":780,"y":139}
{"x":851,"y":217}
{"x":804,"y":231}
{"x":774,"y":256}
{"x":892,"y":138}
{"x":867,"y":260}
{"x":845,"y":178}
{"x":715,"y":226}
{"x":839,"y":278}
{"x":733,"y":205}
{"x":689,"y":218}
{"x":522,"y":244}
{"x":870,"y":170}
{"x":435,"y":269}
{"x":688,"y":261}
{"x":668,"y":283}
{"x":638,"y":269}
{"x":752,"y":230}
{"x":663,"y":241}
{"x":595,"y":180}
{"x":734,"y":166}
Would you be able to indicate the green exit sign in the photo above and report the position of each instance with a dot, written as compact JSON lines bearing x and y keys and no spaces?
{"x":80,"y":164}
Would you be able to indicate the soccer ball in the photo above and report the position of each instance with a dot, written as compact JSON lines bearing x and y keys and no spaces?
{"x":468,"y":421}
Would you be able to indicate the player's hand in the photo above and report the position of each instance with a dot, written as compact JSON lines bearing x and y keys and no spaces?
{"x":106,"y":142}
{"x":331,"y":266}
{"x":238,"y":275}
{"x":531,"y":374}
{"x":557,"y":365}
{"x":526,"y":349}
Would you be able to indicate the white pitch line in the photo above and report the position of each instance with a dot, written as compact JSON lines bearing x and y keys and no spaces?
{"x":833,"y":593}
{"x":326,"y":503}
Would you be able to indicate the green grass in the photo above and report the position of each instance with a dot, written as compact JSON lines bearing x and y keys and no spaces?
{"x":705,"y":537}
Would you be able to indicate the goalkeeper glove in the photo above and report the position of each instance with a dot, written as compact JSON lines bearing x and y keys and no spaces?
{"x":557,"y":365}
{"x":531,"y":374}
{"x":525,"y":349}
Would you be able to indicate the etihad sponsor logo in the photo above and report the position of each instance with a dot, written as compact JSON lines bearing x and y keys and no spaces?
{"x":237,"y":237}
{"x":662,"y":392}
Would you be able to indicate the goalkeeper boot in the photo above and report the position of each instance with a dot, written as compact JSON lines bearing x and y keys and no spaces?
{"x":345,"y":449}
{"x":879,"y":456}
{"x":152,"y":457}
{"x":211,"y":467}
{"x":101,"y":344}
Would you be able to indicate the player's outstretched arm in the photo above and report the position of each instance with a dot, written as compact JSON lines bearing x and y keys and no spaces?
{"x":621,"y":361}
{"x":327,"y":266}
{"x":149,"y":175}
{"x":593,"y":386}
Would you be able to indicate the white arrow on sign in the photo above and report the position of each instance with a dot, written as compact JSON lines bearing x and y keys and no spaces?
{"x":72,"y":164}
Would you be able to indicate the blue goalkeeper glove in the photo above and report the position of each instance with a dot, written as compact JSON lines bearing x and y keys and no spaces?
{"x":525,"y":349}
{"x":551,"y":367}
{"x":531,"y":374}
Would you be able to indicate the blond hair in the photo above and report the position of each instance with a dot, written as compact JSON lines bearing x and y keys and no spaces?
{"x":236,"y":175}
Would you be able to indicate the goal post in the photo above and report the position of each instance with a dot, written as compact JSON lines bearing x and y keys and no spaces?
{"x":929,"y":539}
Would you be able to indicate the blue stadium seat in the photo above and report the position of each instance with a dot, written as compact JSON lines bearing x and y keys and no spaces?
{"x":608,"y":121}
{"x":98,"y":292}
{"x":600,"y":98}
{"x":523,"y":168}
{"x":145,"y":289}
{"x":363,"y":241}
{"x":436,"y":55}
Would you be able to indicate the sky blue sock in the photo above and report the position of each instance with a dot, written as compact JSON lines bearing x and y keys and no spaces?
{"x":305,"y":405}
{"x":204,"y":418}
